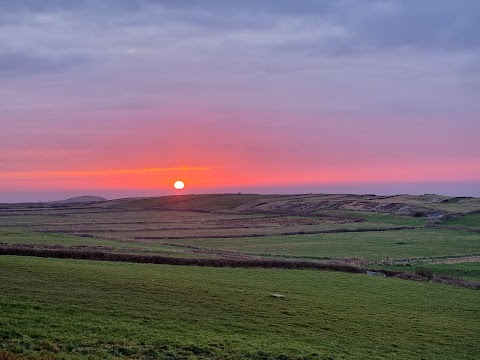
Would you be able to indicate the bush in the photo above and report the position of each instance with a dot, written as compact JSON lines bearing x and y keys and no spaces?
{"x":444,"y":279}
{"x":411,"y":276}
{"x":419,"y":214}
{"x":423,"y":272}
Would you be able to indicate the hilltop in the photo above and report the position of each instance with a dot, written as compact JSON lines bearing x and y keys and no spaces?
{"x":431,"y":206}
{"x":428,"y":205}
{"x":80,"y":199}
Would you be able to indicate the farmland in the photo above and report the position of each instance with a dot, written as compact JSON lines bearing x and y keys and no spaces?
{"x":65,"y":308}
{"x":76,"y":308}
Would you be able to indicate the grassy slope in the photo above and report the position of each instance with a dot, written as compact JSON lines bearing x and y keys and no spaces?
{"x":206,"y":202}
{"x":81,"y":308}
{"x":378,"y":218}
{"x":470,"y":220}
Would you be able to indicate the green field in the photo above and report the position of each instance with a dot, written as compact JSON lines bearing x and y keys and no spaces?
{"x":9,"y":236}
{"x":74,"y":309}
{"x":465,"y":270}
{"x":469,"y":270}
{"x":373,"y":246}
{"x":77,"y":309}
{"x":470,"y":220}
{"x":401,"y":244}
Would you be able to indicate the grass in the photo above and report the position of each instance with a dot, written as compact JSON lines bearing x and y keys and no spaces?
{"x":73,"y":309}
{"x":28,"y":237}
{"x":13,"y":236}
{"x":129,"y":225}
{"x":470,"y":220}
{"x":376,"y":245}
{"x":378,"y":218}
{"x":467,"y":270}
{"x":77,"y":309}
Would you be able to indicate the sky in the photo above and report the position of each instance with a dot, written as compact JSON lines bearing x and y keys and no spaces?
{"x":121,"y":98}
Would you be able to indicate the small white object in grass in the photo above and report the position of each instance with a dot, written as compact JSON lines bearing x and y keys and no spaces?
{"x":277,"y":295}
{"x":375,"y":273}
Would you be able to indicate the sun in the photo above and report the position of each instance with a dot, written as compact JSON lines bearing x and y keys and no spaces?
{"x":179,"y":185}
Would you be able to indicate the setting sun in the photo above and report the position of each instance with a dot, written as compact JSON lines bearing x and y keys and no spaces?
{"x":179,"y":185}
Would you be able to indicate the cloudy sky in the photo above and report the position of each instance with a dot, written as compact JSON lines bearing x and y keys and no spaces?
{"x":122,"y":97}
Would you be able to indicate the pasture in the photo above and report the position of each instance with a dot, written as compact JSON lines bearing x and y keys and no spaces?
{"x":75,"y":309}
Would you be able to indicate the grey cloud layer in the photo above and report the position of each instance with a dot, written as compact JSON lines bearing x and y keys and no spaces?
{"x":16,"y":63}
{"x":436,"y":24}
{"x":377,"y":55}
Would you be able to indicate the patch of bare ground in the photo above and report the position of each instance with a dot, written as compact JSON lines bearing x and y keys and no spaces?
{"x":254,"y":235}
{"x":282,"y":221}
{"x":59,"y":247}
{"x":6,"y":355}
{"x":224,"y":254}
{"x":457,"y":260}
{"x":430,"y":260}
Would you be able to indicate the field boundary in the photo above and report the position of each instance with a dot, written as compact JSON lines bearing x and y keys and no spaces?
{"x":232,"y":263}
{"x":331,"y":231}
{"x":450,"y":227}
{"x":82,"y":254}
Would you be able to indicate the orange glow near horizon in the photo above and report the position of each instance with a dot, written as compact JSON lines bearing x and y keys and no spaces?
{"x":97,"y":173}
{"x":203,"y":178}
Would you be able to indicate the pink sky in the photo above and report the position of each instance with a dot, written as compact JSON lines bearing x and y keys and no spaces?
{"x":120,"y":101}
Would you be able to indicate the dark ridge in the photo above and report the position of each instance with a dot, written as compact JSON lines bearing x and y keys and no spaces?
{"x":79,"y":199}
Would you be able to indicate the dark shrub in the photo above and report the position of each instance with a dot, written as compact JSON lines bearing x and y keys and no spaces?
{"x":423,"y":272}
{"x":411,"y":276}
{"x":419,"y":214}
{"x":444,"y":279}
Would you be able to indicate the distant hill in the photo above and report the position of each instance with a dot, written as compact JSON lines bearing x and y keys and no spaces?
{"x":428,"y":205}
{"x":80,"y":199}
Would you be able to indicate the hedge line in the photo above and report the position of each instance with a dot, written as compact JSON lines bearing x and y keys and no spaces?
{"x":69,"y":253}
{"x":83,"y":254}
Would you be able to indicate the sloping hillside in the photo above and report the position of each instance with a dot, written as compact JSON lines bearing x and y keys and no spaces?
{"x":434,"y":206}
{"x":80,"y":199}
{"x":429,"y":205}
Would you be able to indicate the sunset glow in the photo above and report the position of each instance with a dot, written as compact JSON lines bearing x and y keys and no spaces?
{"x":253,"y":97}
